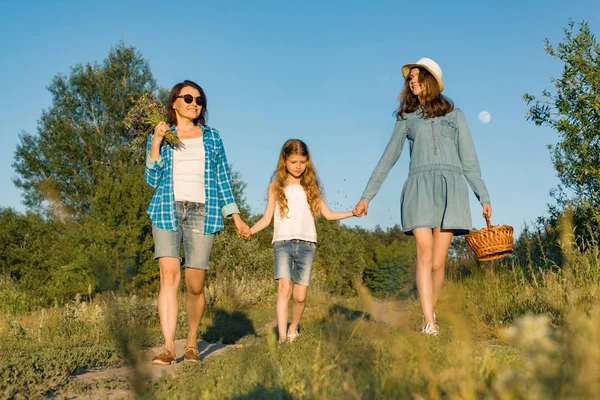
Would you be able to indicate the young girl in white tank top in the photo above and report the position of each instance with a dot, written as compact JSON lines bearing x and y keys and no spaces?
{"x":295,"y":199}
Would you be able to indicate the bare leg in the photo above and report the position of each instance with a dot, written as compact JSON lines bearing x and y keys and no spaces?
{"x":300,"y":293}
{"x":424,"y":239}
{"x":441,"y":244}
{"x":284,"y":292}
{"x":170,"y":275}
{"x":195,"y":301}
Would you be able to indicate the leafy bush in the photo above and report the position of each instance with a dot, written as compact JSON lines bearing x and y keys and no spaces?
{"x":340,"y":257}
{"x":12,"y":300}
{"x":390,"y":270}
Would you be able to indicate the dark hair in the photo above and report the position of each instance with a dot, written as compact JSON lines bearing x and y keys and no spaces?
{"x":430,"y":100}
{"x":172,"y":117}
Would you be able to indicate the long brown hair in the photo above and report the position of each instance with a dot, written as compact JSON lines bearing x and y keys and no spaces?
{"x":430,"y":100}
{"x":172,"y":116}
{"x":309,"y":179}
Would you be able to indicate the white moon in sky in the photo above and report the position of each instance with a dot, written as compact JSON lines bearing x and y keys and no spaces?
{"x":485,"y":117}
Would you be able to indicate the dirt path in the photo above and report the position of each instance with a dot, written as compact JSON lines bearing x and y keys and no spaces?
{"x":391,"y":312}
{"x":118,"y":383}
{"x":115,"y":383}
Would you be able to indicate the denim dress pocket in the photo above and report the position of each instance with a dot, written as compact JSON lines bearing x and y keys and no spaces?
{"x":448,"y":129}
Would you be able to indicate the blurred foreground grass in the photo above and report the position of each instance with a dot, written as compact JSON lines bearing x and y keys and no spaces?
{"x":506,"y":333}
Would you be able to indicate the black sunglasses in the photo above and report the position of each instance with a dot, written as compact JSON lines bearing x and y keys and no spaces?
{"x":188,"y":98}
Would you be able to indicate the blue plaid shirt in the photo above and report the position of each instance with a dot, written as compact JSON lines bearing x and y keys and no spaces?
{"x":217,"y":183}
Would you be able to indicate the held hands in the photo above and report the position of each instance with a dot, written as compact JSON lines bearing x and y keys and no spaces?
{"x":242,"y":228}
{"x":245,"y":233}
{"x":361,"y":208}
{"x":487,"y":210}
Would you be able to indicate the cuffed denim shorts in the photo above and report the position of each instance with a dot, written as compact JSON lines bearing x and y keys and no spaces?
{"x":293,"y":259}
{"x":190,"y":229}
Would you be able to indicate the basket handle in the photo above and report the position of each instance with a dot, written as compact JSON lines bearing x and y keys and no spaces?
{"x":487,"y":221}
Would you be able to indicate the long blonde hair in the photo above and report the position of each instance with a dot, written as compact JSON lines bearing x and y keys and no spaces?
{"x":309,"y":179}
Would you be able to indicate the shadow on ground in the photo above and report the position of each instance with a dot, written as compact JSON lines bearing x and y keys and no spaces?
{"x":228,"y":328}
{"x":262,"y":392}
{"x":349,"y":314}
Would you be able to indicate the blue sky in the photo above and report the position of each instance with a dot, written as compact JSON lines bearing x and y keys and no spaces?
{"x":327,"y":72}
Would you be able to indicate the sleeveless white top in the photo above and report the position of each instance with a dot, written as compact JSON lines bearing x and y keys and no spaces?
{"x":299,"y":222}
{"x":188,"y":171}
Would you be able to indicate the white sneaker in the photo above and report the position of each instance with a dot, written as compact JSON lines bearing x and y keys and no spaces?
{"x":430,"y":329}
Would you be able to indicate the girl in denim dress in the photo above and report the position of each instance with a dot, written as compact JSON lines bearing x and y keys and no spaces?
{"x":295,"y":199}
{"x":434,"y":200}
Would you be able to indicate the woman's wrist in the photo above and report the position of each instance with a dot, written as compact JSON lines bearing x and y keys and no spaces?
{"x":156,"y":142}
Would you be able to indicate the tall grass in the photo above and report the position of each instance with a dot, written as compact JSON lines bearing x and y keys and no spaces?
{"x":39,"y":350}
{"x":507,"y":332}
{"x":544,"y":344}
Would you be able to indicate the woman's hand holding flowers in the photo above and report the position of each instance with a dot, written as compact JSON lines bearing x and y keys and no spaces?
{"x":148,"y":113}
{"x":160,"y":130}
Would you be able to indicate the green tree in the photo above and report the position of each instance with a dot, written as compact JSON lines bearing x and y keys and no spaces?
{"x":573,"y":111}
{"x":46,"y":259}
{"x":81,"y":172}
{"x":340,"y":256}
{"x":24,"y":244}
{"x":118,"y":232}
{"x":81,"y":135}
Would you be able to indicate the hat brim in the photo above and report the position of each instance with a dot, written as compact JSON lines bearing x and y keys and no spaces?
{"x":406,"y":70}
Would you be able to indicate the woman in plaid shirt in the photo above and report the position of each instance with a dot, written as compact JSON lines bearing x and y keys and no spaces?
{"x":192,"y":194}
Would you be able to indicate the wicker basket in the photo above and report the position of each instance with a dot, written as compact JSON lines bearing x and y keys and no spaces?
{"x":492,"y":242}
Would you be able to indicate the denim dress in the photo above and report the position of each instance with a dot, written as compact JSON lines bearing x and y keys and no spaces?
{"x":442,"y":158}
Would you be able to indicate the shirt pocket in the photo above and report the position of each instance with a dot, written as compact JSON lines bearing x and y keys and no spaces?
{"x":211,"y":154}
{"x":448,"y":129}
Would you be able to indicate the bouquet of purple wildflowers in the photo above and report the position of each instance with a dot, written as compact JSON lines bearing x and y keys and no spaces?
{"x":141,"y":119}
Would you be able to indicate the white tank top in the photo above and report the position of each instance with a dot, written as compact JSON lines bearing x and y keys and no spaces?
{"x":188,"y":171}
{"x":299,"y":222}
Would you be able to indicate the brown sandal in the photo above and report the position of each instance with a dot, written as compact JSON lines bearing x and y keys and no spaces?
{"x":164,"y":358}
{"x":191,"y":354}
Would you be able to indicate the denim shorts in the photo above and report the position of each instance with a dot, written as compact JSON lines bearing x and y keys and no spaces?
{"x":293,"y":259}
{"x":190,"y":229}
